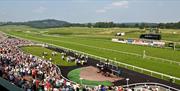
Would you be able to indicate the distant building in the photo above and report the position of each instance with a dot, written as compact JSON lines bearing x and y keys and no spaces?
{"x":150,"y":36}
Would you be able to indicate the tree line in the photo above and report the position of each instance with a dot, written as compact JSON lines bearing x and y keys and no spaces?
{"x":51,"y":23}
{"x":135,"y":25}
{"x":127,"y":25}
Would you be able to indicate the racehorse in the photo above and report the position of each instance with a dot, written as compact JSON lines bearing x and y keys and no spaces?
{"x":106,"y":71}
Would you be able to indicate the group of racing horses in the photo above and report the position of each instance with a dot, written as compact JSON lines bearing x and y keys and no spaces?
{"x":69,"y":56}
{"x":107,"y":69}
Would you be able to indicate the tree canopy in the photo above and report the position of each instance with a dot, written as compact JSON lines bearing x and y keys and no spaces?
{"x":52,"y":23}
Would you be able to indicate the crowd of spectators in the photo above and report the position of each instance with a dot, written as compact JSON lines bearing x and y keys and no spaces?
{"x":32,"y":73}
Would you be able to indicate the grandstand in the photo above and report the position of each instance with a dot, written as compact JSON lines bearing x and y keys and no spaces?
{"x":151,"y":36}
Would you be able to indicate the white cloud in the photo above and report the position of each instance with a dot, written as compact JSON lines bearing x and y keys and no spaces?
{"x":113,"y":5}
{"x":81,"y":1}
{"x":40,"y":9}
{"x":123,"y":4}
{"x":101,"y":11}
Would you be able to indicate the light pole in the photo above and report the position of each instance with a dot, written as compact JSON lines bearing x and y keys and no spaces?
{"x":127,"y":79}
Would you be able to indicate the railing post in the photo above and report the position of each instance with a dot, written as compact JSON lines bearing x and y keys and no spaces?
{"x":151,"y":73}
{"x":174,"y":80}
{"x":161,"y":76}
{"x":125,"y":66}
{"x":133,"y":67}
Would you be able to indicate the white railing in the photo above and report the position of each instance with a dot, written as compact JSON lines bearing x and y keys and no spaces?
{"x":113,"y":61}
{"x":150,"y":83}
{"x":167,"y":60}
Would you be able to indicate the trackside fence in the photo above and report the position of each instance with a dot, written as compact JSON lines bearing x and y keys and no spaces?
{"x":115,"y":62}
{"x":150,"y":84}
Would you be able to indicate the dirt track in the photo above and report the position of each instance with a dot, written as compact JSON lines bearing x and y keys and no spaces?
{"x":91,"y":73}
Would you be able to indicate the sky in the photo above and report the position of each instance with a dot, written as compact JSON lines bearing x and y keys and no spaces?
{"x":84,"y":11}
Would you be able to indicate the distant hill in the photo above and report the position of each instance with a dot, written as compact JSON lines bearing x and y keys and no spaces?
{"x":48,"y":23}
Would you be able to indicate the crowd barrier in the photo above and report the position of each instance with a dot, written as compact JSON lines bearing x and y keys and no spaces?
{"x":151,"y":84}
{"x":9,"y":86}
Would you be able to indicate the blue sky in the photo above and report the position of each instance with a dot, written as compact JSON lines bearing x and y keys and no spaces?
{"x":84,"y":11}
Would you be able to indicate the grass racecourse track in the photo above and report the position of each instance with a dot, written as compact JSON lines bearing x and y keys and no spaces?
{"x":74,"y":76}
{"x":97,"y":41}
{"x":37,"y":51}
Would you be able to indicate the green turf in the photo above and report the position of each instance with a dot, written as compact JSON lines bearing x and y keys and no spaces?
{"x":100,"y":44}
{"x":74,"y":76}
{"x":37,"y":51}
